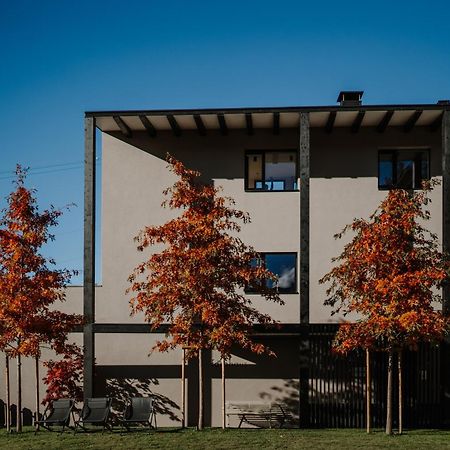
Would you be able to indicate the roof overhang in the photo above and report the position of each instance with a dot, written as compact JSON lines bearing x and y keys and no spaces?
{"x":204,"y":120}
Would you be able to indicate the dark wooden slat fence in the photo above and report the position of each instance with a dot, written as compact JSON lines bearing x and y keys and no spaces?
{"x":337,"y":385}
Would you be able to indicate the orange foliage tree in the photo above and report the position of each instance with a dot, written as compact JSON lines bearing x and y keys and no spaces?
{"x":196,"y":283}
{"x":28,"y":286}
{"x":65,"y":376}
{"x":388,"y":275}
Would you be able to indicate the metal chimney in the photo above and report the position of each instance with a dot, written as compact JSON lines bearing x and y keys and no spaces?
{"x":350,"y":98}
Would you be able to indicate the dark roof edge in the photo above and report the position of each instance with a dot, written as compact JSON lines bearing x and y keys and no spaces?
{"x":287,"y":109}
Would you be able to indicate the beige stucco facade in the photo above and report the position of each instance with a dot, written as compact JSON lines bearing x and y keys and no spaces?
{"x":343,"y":185}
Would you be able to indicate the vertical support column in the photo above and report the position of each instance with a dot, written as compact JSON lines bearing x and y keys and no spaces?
{"x":192,"y":392}
{"x":304,"y":218}
{"x":446,"y":201}
{"x":445,"y":345}
{"x":89,"y":256}
{"x":304,"y":347}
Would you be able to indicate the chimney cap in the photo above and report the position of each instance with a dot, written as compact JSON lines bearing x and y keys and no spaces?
{"x":350,"y":97}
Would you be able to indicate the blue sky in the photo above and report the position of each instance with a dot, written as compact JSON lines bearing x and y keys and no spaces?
{"x":60,"y":58}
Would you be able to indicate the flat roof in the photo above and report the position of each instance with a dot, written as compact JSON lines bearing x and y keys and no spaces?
{"x":250,"y":118}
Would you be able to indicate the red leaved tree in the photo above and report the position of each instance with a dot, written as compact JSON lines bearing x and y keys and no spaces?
{"x":196,"y":284}
{"x":388,"y":275}
{"x":64,"y":376}
{"x":28,"y":286}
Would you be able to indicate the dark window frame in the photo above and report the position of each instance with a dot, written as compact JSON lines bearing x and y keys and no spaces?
{"x":252,"y":291}
{"x":262,"y":153}
{"x":395,"y":152}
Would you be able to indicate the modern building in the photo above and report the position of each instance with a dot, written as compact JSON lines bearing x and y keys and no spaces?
{"x":302,"y":173}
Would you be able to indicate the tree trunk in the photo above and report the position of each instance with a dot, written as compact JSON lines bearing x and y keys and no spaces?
{"x":19,"y":395}
{"x":400,"y":393}
{"x":8,"y":396}
{"x":224,"y":425}
{"x":200,"y":390}
{"x":36,"y":371}
{"x":368,"y":393}
{"x":389,"y":395}
{"x":183,"y":388}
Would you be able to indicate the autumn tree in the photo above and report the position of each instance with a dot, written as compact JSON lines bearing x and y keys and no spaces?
{"x":196,"y":283}
{"x":29,"y":287}
{"x":389,"y":275}
{"x":65,"y":375}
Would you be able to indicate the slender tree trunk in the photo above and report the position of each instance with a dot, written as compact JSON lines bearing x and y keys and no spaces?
{"x":19,"y":395}
{"x":36,"y":371}
{"x":200,"y":390}
{"x":368,"y":393}
{"x":8,"y":396}
{"x":400,"y":393}
{"x":183,"y":389}
{"x":224,"y":424}
{"x":389,"y":395}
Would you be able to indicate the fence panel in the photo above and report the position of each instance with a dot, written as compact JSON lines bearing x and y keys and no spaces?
{"x":337,"y":385}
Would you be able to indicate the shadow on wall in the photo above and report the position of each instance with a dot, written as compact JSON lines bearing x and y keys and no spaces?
{"x":288,"y":396}
{"x":27,"y":415}
{"x":121,"y":389}
{"x":340,"y":152}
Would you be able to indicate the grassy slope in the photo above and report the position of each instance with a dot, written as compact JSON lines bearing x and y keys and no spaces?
{"x":214,"y":439}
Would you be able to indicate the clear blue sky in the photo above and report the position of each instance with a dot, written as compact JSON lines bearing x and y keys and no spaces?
{"x":60,"y":58}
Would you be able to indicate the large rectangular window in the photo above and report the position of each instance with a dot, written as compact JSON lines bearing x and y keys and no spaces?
{"x":271,"y":171}
{"x":284,"y":266}
{"x":403,"y":169}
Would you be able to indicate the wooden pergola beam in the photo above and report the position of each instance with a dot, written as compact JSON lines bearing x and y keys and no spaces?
{"x":384,"y":122}
{"x":356,"y":125}
{"x":249,"y":123}
{"x":409,"y":125}
{"x":276,"y":123}
{"x":174,"y":125}
{"x":200,"y":125}
{"x":330,"y":121}
{"x":124,"y":128}
{"x":148,"y":126}
{"x":222,"y":124}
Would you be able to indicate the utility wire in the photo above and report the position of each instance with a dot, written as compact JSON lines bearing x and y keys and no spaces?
{"x":42,"y":170}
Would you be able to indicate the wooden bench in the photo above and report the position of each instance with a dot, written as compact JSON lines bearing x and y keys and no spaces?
{"x":259,"y":414}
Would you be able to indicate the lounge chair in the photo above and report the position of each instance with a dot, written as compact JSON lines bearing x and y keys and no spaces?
{"x":56,"y":414}
{"x":139,"y":410}
{"x":95,"y":412}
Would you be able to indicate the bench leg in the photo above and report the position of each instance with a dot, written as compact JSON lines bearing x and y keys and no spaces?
{"x":240,"y":423}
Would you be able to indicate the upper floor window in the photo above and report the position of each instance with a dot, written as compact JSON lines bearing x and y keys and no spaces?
{"x":271,"y":171}
{"x":403,"y":169}
{"x":284,"y":266}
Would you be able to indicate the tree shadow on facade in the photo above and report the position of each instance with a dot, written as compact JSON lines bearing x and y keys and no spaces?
{"x":121,"y":389}
{"x":288,"y":396}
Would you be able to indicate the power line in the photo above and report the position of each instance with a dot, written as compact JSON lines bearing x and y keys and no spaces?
{"x":42,"y":170}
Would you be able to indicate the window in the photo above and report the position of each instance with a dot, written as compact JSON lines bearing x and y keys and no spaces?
{"x":284,"y":266}
{"x":271,"y":171}
{"x":403,"y":169}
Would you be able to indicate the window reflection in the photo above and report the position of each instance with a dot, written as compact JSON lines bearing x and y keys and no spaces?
{"x":403,"y":169}
{"x":284,"y":266}
{"x":271,"y":171}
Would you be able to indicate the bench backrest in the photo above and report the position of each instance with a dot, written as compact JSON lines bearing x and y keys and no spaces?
{"x":253,"y":407}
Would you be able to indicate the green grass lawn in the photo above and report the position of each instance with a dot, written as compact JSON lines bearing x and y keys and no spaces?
{"x":215,"y":439}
